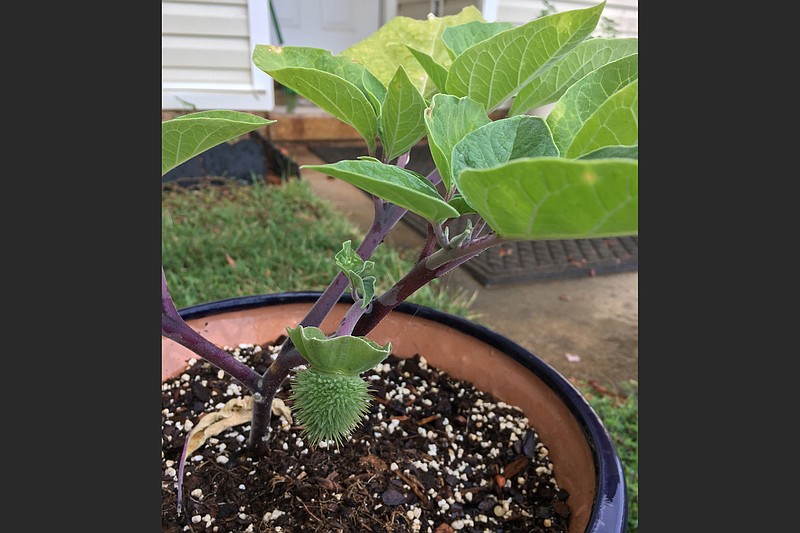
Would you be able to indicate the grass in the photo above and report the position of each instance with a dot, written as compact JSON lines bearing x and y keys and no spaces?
{"x":239,"y":240}
{"x":619,"y":411}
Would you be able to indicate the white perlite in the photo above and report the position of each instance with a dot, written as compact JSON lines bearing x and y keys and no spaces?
{"x":277,"y":513}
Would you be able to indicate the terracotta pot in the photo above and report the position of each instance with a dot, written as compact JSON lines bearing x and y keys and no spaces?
{"x":585,"y":459}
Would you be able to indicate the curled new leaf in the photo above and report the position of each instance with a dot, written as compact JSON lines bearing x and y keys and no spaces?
{"x":357,"y":270}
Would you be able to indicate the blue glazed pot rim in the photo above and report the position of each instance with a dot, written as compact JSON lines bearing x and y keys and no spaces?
{"x":610,"y":509}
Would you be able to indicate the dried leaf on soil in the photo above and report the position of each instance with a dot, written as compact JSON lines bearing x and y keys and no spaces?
{"x":236,"y":412}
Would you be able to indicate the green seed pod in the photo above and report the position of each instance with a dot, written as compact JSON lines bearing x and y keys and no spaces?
{"x":329,"y":397}
{"x":328,"y":406}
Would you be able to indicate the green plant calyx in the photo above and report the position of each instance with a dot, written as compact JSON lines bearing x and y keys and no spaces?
{"x":344,"y":355}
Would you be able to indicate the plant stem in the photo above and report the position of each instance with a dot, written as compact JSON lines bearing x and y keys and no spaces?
{"x":350,"y":318}
{"x":268,"y":385}
{"x":175,"y":328}
{"x":425,"y":271}
{"x":386,"y":217}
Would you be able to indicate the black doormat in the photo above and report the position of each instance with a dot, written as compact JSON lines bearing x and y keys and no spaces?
{"x":522,"y":261}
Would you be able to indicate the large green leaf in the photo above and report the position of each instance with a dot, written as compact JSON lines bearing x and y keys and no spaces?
{"x":335,"y":84}
{"x":616,"y":123}
{"x":448,"y":120}
{"x":586,"y":57}
{"x":385,"y":50}
{"x":436,"y":72}
{"x":493,"y":70}
{"x":628,"y":152}
{"x":501,"y":141}
{"x":402,"y":123}
{"x":556,"y":198}
{"x":269,"y":58}
{"x":186,"y":136}
{"x":396,"y":185}
{"x":590,"y":115}
{"x":346,"y":355}
{"x":459,"y":38}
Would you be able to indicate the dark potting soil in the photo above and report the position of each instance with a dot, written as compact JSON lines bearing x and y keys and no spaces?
{"x":435,"y":455}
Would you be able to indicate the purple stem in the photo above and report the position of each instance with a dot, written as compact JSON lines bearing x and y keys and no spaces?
{"x":175,"y":328}
{"x":181,"y":465}
{"x":420,"y":275}
{"x":402,"y":161}
{"x":386,"y":217}
{"x":350,"y":318}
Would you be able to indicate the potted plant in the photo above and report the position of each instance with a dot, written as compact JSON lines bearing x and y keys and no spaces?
{"x":571,"y":175}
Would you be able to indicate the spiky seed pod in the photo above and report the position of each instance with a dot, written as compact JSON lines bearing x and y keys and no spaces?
{"x":327,"y":405}
{"x":330,"y":398}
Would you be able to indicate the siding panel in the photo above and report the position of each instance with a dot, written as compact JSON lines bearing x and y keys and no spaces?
{"x":184,"y":75}
{"x":198,"y":19}
{"x":206,"y":54}
{"x":220,"y":52}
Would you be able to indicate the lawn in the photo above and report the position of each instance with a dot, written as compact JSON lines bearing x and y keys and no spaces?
{"x":239,"y":240}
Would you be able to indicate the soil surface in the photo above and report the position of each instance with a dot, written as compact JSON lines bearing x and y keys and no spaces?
{"x":433,"y":455}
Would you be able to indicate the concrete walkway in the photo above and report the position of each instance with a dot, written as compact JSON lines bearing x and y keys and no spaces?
{"x":585,"y":328}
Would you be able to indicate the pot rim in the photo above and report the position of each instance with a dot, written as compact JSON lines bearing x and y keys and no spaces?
{"x":607,"y":515}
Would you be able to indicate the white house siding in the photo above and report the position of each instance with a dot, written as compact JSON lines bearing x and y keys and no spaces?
{"x":624,"y":13}
{"x":206,"y":51}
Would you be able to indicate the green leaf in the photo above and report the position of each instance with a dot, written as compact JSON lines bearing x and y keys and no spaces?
{"x":556,"y":198}
{"x":495,"y":69}
{"x":458,"y":202}
{"x":586,"y":57}
{"x":459,"y":38}
{"x":436,"y":72}
{"x":607,"y":152}
{"x":616,"y":122}
{"x":448,"y":120}
{"x":186,"y":136}
{"x":356,"y":270}
{"x":346,"y":355}
{"x":501,"y":141}
{"x":601,"y":109}
{"x":268,"y":57}
{"x":396,"y":185}
{"x":348,"y":259}
{"x":385,"y":50}
{"x":335,"y":84}
{"x":402,"y":122}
